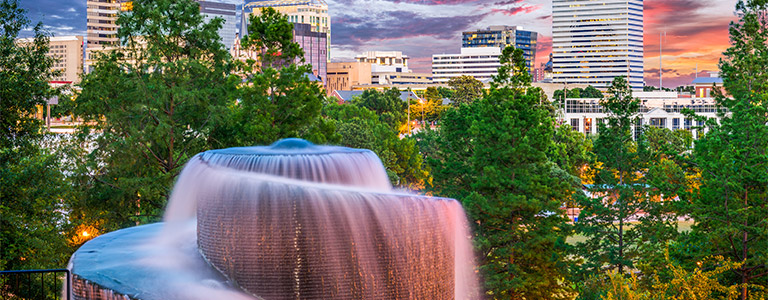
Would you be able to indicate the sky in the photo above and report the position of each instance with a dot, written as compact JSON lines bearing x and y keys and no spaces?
{"x":696,"y":30}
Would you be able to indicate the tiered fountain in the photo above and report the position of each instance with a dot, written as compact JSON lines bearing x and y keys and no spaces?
{"x":288,"y":221}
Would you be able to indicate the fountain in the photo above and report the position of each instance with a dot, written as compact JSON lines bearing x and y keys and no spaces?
{"x":288,"y":221}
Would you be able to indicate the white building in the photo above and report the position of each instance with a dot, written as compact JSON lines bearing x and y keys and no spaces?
{"x":655,"y":110}
{"x":594,"y":41}
{"x":480,"y":63}
{"x":385,"y":61}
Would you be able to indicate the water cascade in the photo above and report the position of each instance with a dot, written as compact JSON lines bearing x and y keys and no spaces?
{"x":288,"y":221}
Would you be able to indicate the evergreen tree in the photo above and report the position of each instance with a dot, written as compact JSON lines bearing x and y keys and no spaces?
{"x":623,"y":222}
{"x":465,"y":89}
{"x":731,"y":209}
{"x":492,"y":156}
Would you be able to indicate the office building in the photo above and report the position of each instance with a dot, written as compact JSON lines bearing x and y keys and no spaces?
{"x":314,"y":45}
{"x":101,"y":21}
{"x":481,"y":63}
{"x":68,"y":52}
{"x":311,"y":12}
{"x":594,"y":41}
{"x":222,"y":9}
{"x":501,"y":37}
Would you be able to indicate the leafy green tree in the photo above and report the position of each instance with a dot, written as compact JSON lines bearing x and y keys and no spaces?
{"x":592,"y":92}
{"x":491,"y":155}
{"x":465,"y":89}
{"x":445,"y":92}
{"x":276,"y":99}
{"x":32,"y":185}
{"x":617,"y":235}
{"x":386,"y":104}
{"x":575,"y":93}
{"x":148,"y":106}
{"x":731,"y":209}
{"x":360,"y":127}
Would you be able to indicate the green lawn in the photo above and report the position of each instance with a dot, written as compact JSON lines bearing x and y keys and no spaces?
{"x":682,"y":226}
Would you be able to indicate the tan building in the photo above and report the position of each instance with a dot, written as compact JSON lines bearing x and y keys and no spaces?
{"x":343,"y":75}
{"x":68,"y":52}
{"x":385,"y":61}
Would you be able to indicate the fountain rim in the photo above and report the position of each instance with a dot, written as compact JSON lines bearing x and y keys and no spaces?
{"x":324,"y":186}
{"x":286,"y":147}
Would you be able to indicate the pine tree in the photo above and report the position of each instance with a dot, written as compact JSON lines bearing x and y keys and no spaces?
{"x":731,"y":209}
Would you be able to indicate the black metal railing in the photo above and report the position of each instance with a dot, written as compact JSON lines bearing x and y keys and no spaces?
{"x":35,"y":284}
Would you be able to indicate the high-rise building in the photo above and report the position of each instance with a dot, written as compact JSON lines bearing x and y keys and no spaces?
{"x":222,"y":9}
{"x":481,"y":63}
{"x":501,"y":37}
{"x":594,"y":41}
{"x":313,"y":43}
{"x":311,"y":12}
{"x":102,"y":15}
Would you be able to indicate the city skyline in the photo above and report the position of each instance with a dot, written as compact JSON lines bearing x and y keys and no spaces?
{"x":696,"y":30}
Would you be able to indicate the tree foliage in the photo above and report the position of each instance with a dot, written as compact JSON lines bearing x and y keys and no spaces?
{"x":271,"y":36}
{"x":32,"y":186}
{"x":465,"y":89}
{"x":148,"y":106}
{"x":623,"y":222}
{"x":491,"y":154}
{"x":731,"y":208}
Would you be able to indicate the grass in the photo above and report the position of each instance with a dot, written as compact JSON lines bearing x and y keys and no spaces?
{"x":682,"y":226}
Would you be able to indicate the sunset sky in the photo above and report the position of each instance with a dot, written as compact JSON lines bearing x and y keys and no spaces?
{"x":696,"y":30}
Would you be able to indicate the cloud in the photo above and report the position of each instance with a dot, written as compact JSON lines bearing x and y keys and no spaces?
{"x":511,"y":11}
{"x":437,"y":2}
{"x":398,"y":25}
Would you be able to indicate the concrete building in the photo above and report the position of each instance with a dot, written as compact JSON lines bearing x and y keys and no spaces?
{"x":480,"y":63}
{"x":594,"y":41}
{"x":501,"y":37}
{"x":343,"y":75}
{"x":68,"y":52}
{"x":311,"y":12}
{"x":385,"y":61}
{"x":222,"y":9}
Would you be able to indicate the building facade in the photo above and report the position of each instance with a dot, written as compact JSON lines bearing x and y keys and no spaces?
{"x":314,"y":45}
{"x":501,"y":37}
{"x":68,"y":53}
{"x":101,"y":21}
{"x":343,"y":75}
{"x":594,"y":41}
{"x":222,"y":9}
{"x":583,"y":115}
{"x":481,"y":63}
{"x":385,"y":61}
{"x":311,"y":12}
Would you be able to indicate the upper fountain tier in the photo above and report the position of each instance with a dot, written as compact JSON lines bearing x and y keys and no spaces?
{"x":300,"y":159}
{"x":290,"y":158}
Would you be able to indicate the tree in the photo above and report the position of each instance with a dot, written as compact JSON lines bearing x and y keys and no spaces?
{"x":271,"y":35}
{"x":387,"y":105}
{"x":617,"y":236}
{"x":360,"y":127}
{"x":592,"y":92}
{"x":32,"y":187}
{"x":465,"y":89}
{"x":731,"y":208}
{"x":149,"y":106}
{"x":492,"y":157}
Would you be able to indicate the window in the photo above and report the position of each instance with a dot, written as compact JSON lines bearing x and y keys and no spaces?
{"x":659,"y":122}
{"x":587,"y":125}
{"x":688,"y":124}
{"x":675,"y":123}
{"x":575,"y":124}
{"x":638,"y":128}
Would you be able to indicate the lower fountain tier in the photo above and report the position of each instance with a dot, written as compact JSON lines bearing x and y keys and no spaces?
{"x":134,"y":263}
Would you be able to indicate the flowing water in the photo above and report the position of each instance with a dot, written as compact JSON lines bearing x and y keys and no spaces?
{"x":299,"y":221}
